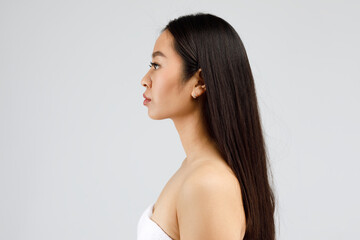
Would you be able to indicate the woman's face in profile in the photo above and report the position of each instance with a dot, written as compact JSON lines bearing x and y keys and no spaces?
{"x":163,"y":81}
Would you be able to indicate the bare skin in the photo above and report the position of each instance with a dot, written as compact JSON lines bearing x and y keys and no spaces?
{"x":172,"y":210}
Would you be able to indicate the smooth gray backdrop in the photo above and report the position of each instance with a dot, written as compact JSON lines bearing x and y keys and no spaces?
{"x":81,"y":159}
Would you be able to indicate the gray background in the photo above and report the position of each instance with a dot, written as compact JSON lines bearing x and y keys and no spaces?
{"x":81,"y":159}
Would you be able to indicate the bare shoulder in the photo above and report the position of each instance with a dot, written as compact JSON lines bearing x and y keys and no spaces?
{"x":209,"y":204}
{"x":211,"y":175}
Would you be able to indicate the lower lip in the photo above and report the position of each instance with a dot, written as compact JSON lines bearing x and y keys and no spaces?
{"x":146,"y":101}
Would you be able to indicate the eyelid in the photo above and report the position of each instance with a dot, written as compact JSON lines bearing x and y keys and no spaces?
{"x":154,"y":64}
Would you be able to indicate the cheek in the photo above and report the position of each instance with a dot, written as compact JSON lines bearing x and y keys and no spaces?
{"x":166,"y":87}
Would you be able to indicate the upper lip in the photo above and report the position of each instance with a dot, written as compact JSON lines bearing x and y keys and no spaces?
{"x":146,"y":96}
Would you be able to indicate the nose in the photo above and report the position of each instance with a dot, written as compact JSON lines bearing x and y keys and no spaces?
{"x":146,"y":81}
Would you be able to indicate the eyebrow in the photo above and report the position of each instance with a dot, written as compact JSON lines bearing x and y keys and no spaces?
{"x":158,"y":53}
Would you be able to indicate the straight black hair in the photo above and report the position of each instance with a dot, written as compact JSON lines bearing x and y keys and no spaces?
{"x":230,"y":110}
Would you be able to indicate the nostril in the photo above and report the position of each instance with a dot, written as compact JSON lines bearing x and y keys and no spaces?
{"x":145,"y":82}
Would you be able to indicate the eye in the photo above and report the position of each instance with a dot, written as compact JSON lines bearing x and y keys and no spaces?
{"x":154,"y":64}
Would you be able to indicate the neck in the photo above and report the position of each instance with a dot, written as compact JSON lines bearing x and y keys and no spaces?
{"x":194,"y":137}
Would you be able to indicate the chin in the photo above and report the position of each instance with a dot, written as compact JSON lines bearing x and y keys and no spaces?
{"x":155,"y":116}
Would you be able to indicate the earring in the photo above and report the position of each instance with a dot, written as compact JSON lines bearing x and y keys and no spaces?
{"x":194,"y":96}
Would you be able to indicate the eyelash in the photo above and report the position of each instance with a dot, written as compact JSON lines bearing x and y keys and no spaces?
{"x":153,"y":64}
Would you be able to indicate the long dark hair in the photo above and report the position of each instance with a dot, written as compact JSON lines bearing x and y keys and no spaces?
{"x":230,"y":110}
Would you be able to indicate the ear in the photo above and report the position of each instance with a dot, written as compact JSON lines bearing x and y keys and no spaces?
{"x":199,"y":87}
{"x":199,"y":78}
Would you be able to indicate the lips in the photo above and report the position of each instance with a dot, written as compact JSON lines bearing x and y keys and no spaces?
{"x":146,"y":97}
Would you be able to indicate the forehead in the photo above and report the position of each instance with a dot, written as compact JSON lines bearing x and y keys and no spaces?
{"x":164,"y":44}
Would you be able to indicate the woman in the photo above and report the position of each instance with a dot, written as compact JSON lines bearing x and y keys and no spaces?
{"x":200,"y":77}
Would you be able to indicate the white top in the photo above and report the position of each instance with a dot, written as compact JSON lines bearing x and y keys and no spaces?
{"x":147,"y":229}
